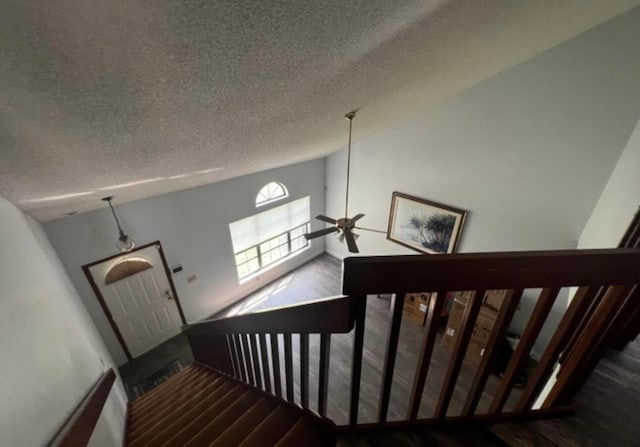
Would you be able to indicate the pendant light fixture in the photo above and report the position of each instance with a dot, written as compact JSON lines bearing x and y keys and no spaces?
{"x":125,"y":243}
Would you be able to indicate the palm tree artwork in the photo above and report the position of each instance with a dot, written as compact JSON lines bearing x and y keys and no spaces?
{"x":423,"y":225}
{"x":433,"y":232}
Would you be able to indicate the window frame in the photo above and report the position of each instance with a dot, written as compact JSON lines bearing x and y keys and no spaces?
{"x":271,"y":199}
{"x":262,"y":266}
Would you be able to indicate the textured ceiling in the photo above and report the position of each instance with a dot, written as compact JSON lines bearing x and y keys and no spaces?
{"x":136,"y":98}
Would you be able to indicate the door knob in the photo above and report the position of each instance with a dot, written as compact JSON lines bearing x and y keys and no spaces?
{"x":167,"y":294}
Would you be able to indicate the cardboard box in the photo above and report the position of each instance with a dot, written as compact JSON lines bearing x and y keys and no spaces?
{"x":416,"y":306}
{"x":481,"y":331}
{"x":455,"y":321}
{"x":495,"y":298}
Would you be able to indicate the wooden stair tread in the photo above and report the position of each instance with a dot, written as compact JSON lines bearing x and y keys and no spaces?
{"x":199,"y":407}
{"x":183,"y":387}
{"x":184,"y":418}
{"x":177,"y":413}
{"x":212,"y":418}
{"x":159,"y":415}
{"x":215,"y":428}
{"x":233,"y":435}
{"x":303,"y":433}
{"x":175,"y":381}
{"x":270,"y":430}
{"x":141,"y":415}
{"x":461,"y":436}
{"x":164,"y":386}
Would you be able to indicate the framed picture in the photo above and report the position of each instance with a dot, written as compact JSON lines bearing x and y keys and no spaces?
{"x":425,"y":226}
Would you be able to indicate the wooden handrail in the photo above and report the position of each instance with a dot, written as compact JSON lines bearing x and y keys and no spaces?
{"x":78,"y":429}
{"x":327,"y":315}
{"x":250,"y":347}
{"x":477,"y":271}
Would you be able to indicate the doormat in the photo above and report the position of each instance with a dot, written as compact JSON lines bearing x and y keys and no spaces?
{"x":156,"y":379}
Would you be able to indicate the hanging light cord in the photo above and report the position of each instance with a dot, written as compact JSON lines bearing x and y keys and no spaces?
{"x":115,"y":217}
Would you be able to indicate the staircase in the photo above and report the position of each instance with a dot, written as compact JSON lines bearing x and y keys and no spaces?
{"x":246,"y":390}
{"x":199,"y":407}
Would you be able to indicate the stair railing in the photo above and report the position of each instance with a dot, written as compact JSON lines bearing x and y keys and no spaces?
{"x":237,"y":346}
{"x":607,"y":291}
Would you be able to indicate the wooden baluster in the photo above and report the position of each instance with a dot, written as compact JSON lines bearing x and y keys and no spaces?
{"x":213,"y":353}
{"x":577,"y":366}
{"x":469,"y":317}
{"x":228,"y":355}
{"x":241,"y":365}
{"x":628,"y":326}
{"x":584,"y":320}
{"x":221,"y":345}
{"x":216,"y":347}
{"x":214,"y":343}
{"x":304,"y":370}
{"x":631,"y":237}
{"x":224,"y":354}
{"x":521,"y":354}
{"x":570,"y":320}
{"x":358,"y":343}
{"x":323,"y":374}
{"x":247,"y":358}
{"x":288,"y":367}
{"x":390,"y":356}
{"x":213,"y":357}
{"x":255,"y":359}
{"x":265,"y":363}
{"x":629,"y":330}
{"x":500,"y":328}
{"x":598,"y":332}
{"x":436,"y":304}
{"x":275,"y":363}
{"x":234,"y":357}
{"x":195,"y":347}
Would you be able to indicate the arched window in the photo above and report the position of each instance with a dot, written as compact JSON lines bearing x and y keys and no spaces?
{"x":270,"y":193}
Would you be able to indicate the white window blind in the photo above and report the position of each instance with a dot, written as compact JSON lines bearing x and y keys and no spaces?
{"x":260,"y":227}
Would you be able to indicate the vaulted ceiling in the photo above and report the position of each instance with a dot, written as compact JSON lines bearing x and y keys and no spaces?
{"x":135,"y":99}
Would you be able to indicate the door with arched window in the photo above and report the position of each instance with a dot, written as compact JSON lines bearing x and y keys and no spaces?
{"x":138,"y":297}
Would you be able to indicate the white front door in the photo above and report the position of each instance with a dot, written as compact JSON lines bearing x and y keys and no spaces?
{"x":141,"y":304}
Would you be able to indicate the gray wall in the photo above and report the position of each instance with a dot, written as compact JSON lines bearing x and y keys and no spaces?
{"x":526,"y":152}
{"x":52,"y":353}
{"x":193,"y":227}
{"x":619,"y":201}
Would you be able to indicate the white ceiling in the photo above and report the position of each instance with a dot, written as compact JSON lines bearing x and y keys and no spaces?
{"x":135,"y":99}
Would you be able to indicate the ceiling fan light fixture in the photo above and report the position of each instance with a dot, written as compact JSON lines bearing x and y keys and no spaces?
{"x":345,"y":225}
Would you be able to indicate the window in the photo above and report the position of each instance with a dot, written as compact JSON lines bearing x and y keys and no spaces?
{"x":263,"y":239}
{"x":271,"y":192}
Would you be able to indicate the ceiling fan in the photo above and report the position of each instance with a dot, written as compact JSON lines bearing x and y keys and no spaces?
{"x":344,"y":225}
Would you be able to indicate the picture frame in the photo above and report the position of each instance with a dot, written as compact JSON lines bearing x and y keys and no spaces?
{"x":423,"y":225}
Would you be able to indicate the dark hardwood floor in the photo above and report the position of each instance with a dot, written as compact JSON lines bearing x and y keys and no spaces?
{"x":321,"y":278}
{"x":606,"y":408}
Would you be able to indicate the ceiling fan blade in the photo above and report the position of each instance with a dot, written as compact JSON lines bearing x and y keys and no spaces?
{"x":351,"y":241}
{"x":315,"y":234}
{"x":357,"y":217}
{"x":370,"y":229}
{"x":326,"y":219}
